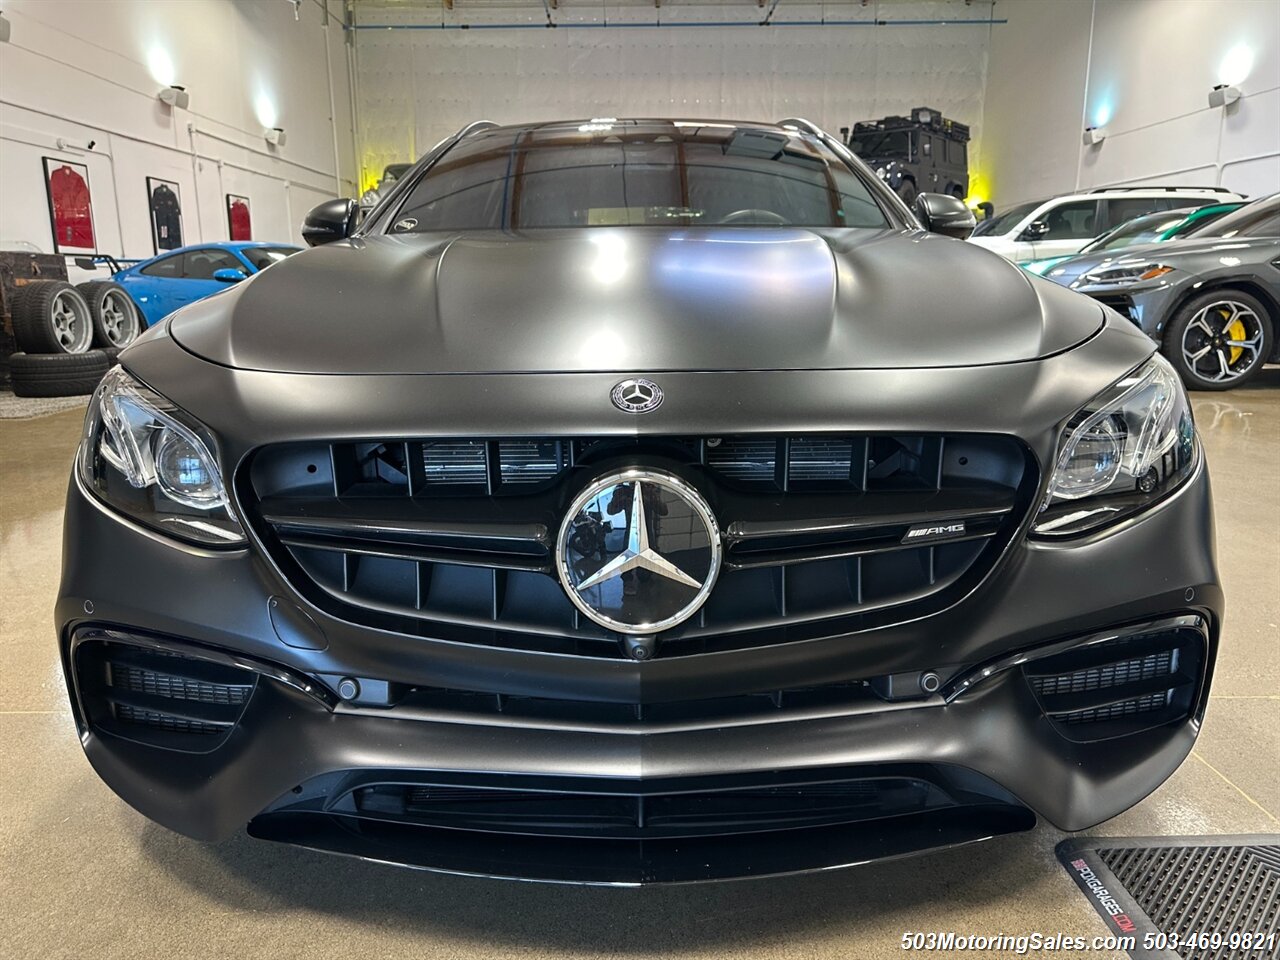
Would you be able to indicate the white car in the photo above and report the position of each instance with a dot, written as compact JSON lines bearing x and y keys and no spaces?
{"x":1062,"y":225}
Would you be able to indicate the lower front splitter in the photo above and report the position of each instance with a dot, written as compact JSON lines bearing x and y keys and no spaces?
{"x":636,"y":862}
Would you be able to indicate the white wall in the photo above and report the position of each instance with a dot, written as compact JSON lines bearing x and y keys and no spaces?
{"x":77,"y":71}
{"x":1143,"y":70}
{"x":424,"y":78}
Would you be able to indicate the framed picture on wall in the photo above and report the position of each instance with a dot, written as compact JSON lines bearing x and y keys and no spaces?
{"x":239,"y":224}
{"x":70,"y":206}
{"x":164,"y":198}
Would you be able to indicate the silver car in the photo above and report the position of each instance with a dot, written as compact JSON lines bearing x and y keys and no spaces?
{"x":1211,"y":300}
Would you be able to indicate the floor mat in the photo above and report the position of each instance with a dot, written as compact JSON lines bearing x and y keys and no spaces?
{"x":1183,"y":898}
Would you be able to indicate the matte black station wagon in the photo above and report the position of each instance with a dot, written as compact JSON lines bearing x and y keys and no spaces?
{"x":631,"y":501}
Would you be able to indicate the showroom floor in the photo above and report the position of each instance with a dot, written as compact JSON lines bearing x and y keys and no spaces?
{"x":86,"y":876}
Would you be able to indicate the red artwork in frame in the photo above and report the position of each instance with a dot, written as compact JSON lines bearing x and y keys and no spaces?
{"x":70,"y":206}
{"x":239,"y":223}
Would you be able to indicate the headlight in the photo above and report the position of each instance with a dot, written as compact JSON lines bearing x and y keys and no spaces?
{"x":880,"y":172}
{"x":1122,"y":276}
{"x":149,"y":460}
{"x":1121,"y":453}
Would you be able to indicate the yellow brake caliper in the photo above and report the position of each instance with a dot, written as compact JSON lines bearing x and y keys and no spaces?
{"x":1234,"y":331}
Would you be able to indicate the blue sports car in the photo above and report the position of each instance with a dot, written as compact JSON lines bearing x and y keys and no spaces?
{"x":162,"y":284}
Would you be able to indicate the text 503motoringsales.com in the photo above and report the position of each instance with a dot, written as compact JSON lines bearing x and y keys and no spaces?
{"x":1020,"y":944}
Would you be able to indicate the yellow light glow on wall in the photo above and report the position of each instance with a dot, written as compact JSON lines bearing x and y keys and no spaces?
{"x":979,"y":190}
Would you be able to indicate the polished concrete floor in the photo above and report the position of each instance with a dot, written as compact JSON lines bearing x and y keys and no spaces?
{"x":82,"y":875}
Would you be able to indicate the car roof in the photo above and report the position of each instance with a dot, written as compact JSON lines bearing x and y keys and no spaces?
{"x":224,"y":245}
{"x":636,"y":124}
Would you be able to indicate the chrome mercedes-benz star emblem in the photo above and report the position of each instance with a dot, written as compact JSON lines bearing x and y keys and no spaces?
{"x":636,"y":395}
{"x":638,"y":551}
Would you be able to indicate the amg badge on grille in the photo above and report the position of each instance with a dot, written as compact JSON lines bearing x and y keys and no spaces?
{"x":924,"y":532}
{"x":638,"y":551}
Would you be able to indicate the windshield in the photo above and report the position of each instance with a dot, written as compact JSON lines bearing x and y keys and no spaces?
{"x":606,"y":173}
{"x":1148,"y":228}
{"x":1261,"y":218}
{"x":263,"y":257}
{"x":882,"y":144}
{"x":1004,"y":222}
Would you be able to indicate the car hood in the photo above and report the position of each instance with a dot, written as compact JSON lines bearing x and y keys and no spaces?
{"x":636,"y":299}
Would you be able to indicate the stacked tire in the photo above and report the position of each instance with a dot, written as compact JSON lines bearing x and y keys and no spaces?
{"x":68,"y":337}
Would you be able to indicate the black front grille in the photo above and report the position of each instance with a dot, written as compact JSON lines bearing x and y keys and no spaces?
{"x":1123,"y":686}
{"x":455,"y":537}
{"x":159,"y":698}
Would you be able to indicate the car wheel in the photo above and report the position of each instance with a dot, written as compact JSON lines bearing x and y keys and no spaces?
{"x":1219,"y":340}
{"x":116,"y":321}
{"x":907,"y":191}
{"x":57,"y":375}
{"x":51,"y":316}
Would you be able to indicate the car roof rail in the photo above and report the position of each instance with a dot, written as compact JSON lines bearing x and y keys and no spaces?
{"x":475,"y":126}
{"x":1152,"y":186}
{"x":802,"y":123}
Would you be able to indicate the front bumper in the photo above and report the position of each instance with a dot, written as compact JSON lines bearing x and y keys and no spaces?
{"x":980,"y":757}
{"x":1148,"y":305}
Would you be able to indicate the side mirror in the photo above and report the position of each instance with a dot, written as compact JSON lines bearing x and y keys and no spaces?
{"x":945,"y":214}
{"x":1036,"y":230}
{"x":332,"y":220}
{"x":229,"y":275}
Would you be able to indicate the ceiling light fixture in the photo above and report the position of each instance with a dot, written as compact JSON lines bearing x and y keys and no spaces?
{"x":274,"y":136}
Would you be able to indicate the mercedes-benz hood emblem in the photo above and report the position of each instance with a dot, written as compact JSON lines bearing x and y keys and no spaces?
{"x":636,"y":395}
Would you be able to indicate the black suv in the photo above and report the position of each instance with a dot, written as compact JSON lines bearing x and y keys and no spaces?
{"x":923,"y":152}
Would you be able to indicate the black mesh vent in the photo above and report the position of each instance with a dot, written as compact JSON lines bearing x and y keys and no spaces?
{"x":160,"y":698}
{"x":1116,"y":711}
{"x":1108,"y":675}
{"x":174,"y":687}
{"x":165,"y":722}
{"x":1123,"y":686}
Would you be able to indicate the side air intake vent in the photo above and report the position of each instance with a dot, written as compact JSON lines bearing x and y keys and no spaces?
{"x":158,"y":698}
{"x":1120,"y":687}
